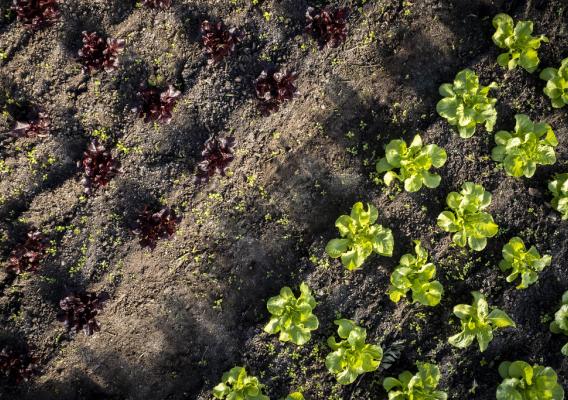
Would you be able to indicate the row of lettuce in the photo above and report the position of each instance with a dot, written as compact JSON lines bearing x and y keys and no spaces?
{"x":465,"y":105}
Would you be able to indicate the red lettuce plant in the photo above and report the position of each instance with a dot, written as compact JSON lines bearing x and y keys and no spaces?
{"x":219,"y":41}
{"x":274,"y":88}
{"x":99,"y":166}
{"x":16,"y":366}
{"x":79,"y":311}
{"x":217,"y":154}
{"x":327,"y":25}
{"x":98,"y":53}
{"x":27,"y":256}
{"x":157,"y":105}
{"x":36,"y":125}
{"x":163,"y":4}
{"x":36,"y":14}
{"x":155,"y":225}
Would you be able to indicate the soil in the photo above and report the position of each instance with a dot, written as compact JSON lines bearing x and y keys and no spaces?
{"x":181,"y":315}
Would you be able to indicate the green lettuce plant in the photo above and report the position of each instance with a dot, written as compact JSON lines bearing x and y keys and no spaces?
{"x":360,"y":237}
{"x":522,"y":263}
{"x":519,"y":42}
{"x":351,"y":356}
{"x":295,"y":396}
{"x":557,"y":84}
{"x":237,"y":385}
{"x":466,"y":104}
{"x":560,"y":323}
{"x":559,"y":189}
{"x":477,"y":322}
{"x":415,"y":273}
{"x":467,"y":220}
{"x":529,"y":145}
{"x":414,"y":163}
{"x":521,"y":381}
{"x":292,"y":316}
{"x":420,"y":386}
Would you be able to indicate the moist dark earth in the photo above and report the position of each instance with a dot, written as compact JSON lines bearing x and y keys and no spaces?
{"x":181,"y":315}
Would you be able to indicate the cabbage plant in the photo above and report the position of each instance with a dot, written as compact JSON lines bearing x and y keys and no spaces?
{"x":360,"y":237}
{"x":420,"y":386}
{"x":522,"y":381}
{"x":557,"y":84}
{"x":292,"y":316}
{"x":466,"y":104}
{"x":351,"y":356}
{"x":522,"y":263}
{"x":519,"y":42}
{"x":467,"y":220}
{"x":559,"y":189}
{"x":477,"y":322}
{"x":413,"y":162}
{"x":415,"y":273}
{"x":237,"y":385}
{"x":531,"y":144}
{"x":560,"y":323}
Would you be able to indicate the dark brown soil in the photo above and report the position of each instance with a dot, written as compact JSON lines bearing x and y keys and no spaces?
{"x":181,"y":315}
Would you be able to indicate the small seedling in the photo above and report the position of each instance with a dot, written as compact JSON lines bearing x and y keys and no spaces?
{"x":560,"y":323}
{"x":415,"y":273}
{"x":477,"y":322}
{"x":360,"y":237}
{"x":472,"y":226}
{"x":519,"y":42}
{"x":466,"y":104}
{"x":414,"y":163}
{"x":531,"y":144}
{"x":351,"y":357}
{"x":522,"y":381}
{"x":292,"y":316}
{"x":420,"y":386}
{"x":557,"y":84}
{"x":237,"y":385}
{"x":522,"y":263}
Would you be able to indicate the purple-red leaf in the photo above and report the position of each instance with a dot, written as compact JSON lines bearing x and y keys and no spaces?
{"x":36,"y":14}
{"x":163,"y":4}
{"x":219,"y":41}
{"x":16,"y":366}
{"x":274,"y":88}
{"x":98,"y":53}
{"x":217,"y":154}
{"x":36,"y":125}
{"x":155,"y":225}
{"x":79,"y":311}
{"x":27,"y":256}
{"x":99,"y":167}
{"x":157,"y":105}
{"x":327,"y":25}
